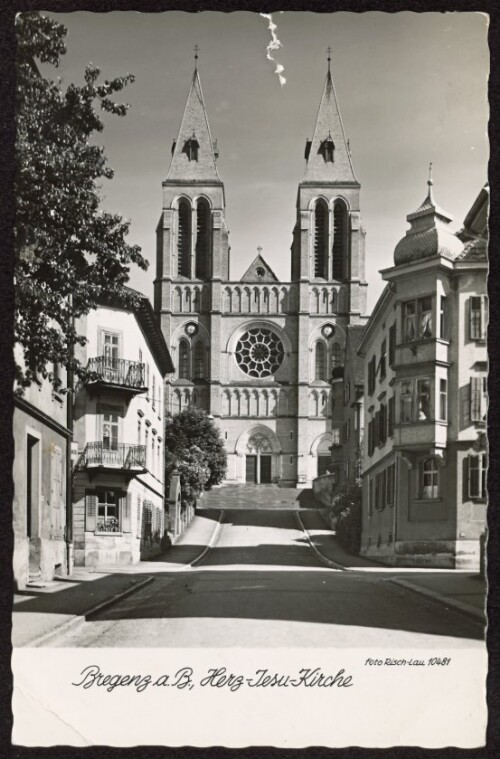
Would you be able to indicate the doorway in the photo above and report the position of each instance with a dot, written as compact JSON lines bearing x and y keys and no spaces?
{"x":251,"y":469}
{"x":265,"y":469}
{"x":33,"y":503}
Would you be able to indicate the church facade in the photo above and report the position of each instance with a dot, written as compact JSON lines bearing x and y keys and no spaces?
{"x":259,"y":354}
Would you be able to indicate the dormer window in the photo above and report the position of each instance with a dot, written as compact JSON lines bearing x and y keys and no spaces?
{"x":191,"y":148}
{"x":327,"y":149}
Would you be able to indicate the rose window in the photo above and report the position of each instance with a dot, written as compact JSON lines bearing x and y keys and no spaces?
{"x":259,"y":352}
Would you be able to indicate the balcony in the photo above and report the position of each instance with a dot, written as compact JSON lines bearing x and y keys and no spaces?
{"x":116,"y":374}
{"x":123,"y":457}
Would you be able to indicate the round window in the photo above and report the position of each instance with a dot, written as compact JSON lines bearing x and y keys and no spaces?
{"x":259,"y":352}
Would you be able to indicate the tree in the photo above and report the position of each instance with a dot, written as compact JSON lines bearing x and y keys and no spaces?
{"x":69,"y":252}
{"x":347,"y":508}
{"x":194,"y":446}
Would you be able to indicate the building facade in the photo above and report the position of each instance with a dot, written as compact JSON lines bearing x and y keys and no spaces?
{"x":119,"y":417}
{"x":42,"y":442}
{"x":257,"y":354}
{"x":424,"y":349}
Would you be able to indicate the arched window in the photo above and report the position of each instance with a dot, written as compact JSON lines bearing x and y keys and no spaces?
{"x":183,"y":359}
{"x":336,"y":355}
{"x":191,"y":147}
{"x":429,"y":483}
{"x":320,"y":239}
{"x":226,"y":403}
{"x":327,"y":149}
{"x":339,"y":242}
{"x":184,"y":240}
{"x":199,"y":360}
{"x":320,"y":362}
{"x":177,"y":300}
{"x":202,"y":239}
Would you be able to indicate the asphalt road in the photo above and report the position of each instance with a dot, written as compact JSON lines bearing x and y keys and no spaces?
{"x":261,"y":585}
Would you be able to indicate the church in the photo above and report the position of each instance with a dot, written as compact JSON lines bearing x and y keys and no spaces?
{"x":260,"y":356}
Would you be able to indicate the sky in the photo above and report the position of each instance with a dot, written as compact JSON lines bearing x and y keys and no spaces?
{"x":412,"y":88}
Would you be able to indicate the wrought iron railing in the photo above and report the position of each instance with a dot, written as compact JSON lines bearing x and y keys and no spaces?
{"x":118,"y":456}
{"x":117,"y":371}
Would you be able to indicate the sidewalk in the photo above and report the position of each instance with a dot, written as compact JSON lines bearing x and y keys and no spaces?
{"x":45,"y":611}
{"x":460,"y":590}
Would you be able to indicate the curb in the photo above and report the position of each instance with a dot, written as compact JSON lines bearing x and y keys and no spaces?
{"x":323,"y":559}
{"x":81,"y":618}
{"x":213,"y":540}
{"x":443,"y":600}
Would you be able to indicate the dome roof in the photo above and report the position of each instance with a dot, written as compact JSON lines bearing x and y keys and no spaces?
{"x":437,"y":241}
{"x":428,"y":235}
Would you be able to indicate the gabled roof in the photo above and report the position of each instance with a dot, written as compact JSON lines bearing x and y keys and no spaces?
{"x":148,"y":323}
{"x":329,"y":126}
{"x":194,"y":126}
{"x":253,"y":275}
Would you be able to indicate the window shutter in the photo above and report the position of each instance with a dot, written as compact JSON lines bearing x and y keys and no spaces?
{"x":91,"y":502}
{"x":126,"y":512}
{"x":484,"y":316}
{"x":139,"y":516}
{"x":476,"y":390}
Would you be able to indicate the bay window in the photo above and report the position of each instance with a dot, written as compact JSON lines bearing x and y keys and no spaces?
{"x":416,"y":401}
{"x":407,"y":401}
{"x":443,"y":400}
{"x":478,"y":398}
{"x":424,"y":399}
{"x":418,"y":319}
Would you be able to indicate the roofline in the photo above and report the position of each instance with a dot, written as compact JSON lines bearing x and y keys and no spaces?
{"x":484,"y":194}
{"x":379,"y":305}
{"x":146,"y":318}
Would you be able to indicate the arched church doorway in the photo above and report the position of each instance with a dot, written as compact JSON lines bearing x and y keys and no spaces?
{"x":258,"y":460}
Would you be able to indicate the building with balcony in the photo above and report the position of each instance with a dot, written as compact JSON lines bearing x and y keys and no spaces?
{"x":118,"y":490}
{"x":425,"y":398}
{"x":258,"y":353}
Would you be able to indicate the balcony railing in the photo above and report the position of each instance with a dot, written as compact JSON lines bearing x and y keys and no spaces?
{"x":117,"y":371}
{"x":121,"y":456}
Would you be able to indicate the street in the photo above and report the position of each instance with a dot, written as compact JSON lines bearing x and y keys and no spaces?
{"x":261,"y":585}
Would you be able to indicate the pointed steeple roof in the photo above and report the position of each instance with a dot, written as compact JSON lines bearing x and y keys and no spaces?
{"x":329,"y":127}
{"x":259,"y":271}
{"x":194,"y":152}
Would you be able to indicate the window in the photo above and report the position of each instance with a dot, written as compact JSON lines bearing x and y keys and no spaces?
{"x":443,"y":318}
{"x":406,"y":410}
{"x":110,"y":428}
{"x":391,"y":484}
{"x":371,"y":375}
{"x":153,"y":393}
{"x":139,"y":432}
{"x":183,"y":359}
{"x":370,"y":437}
{"x":478,"y":465}
{"x":110,"y":349}
{"x":202,"y":247}
{"x":392,"y":345}
{"x":417,"y":319}
{"x":390,"y":416}
{"x":320,"y":362}
{"x":108,"y":511}
{"x":409,"y":321}
{"x":327,"y":149}
{"x":425,"y":317}
{"x":184,"y":239}
{"x":383,"y":359}
{"x":424,"y":399}
{"x":478,"y":317}
{"x":146,"y":445}
{"x":191,"y":148}
{"x":478,"y":399}
{"x":199,"y":360}
{"x":382,"y":424}
{"x":443,"y":400}
{"x":370,"y":498}
{"x":336,"y":355}
{"x":429,"y":479}
{"x":320,"y":239}
{"x":339,"y":242}
{"x":380,"y":490}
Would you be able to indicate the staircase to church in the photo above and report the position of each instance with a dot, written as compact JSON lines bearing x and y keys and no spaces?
{"x":258,"y":497}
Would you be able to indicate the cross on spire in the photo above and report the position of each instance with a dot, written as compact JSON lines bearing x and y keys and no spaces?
{"x":196,"y":49}
{"x":429,"y":181}
{"x":329,"y":58}
{"x":259,"y":249}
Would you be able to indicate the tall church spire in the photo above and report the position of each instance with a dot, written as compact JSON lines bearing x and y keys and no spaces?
{"x":327,"y":154}
{"x":194,"y":153}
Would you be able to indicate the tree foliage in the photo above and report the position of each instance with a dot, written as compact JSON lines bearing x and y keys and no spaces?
{"x":69,"y":252}
{"x":347,"y":509}
{"x":194,"y":446}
